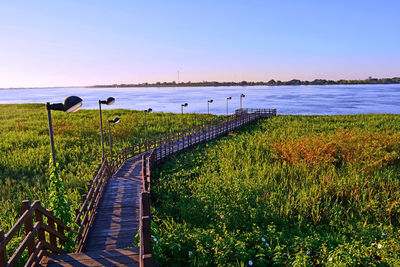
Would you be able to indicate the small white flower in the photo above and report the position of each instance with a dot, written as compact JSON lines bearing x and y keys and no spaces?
{"x":263,"y":239}
{"x":373,"y":244}
{"x":267,"y":244}
{"x":274,"y":259}
{"x":155,"y":239}
{"x":383,"y":234}
{"x":250,"y":262}
{"x":308,"y":252}
{"x":190,"y":253}
{"x":379,"y":246}
{"x":330,"y":259}
{"x":179,"y":249}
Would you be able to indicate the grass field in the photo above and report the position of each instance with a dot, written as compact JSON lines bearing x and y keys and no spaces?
{"x":25,"y":149}
{"x":292,"y":190}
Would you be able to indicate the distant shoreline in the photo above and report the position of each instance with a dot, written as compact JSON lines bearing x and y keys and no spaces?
{"x":394,"y":80}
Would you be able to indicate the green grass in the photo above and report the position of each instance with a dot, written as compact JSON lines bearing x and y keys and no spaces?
{"x":292,"y":190}
{"x":25,"y":149}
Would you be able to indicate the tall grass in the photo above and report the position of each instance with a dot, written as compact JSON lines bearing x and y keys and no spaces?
{"x":292,"y":190}
{"x":25,"y":149}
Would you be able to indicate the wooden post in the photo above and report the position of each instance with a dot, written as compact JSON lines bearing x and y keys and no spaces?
{"x":28,"y":226}
{"x":3,"y":256}
{"x":60,"y":230}
{"x":50,"y":221}
{"x":144,"y":172}
{"x":39,"y":218}
{"x":145,"y":231}
{"x":160,"y":148}
{"x":171,"y":139}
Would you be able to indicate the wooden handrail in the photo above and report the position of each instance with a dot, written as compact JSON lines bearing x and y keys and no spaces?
{"x":162,"y":149}
{"x":34,"y":234}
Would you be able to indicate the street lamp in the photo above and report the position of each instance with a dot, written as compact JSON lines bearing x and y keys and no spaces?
{"x":115,"y":120}
{"x":241,"y":96}
{"x":208,"y":105}
{"x":108,"y":101}
{"x":145,"y":125}
{"x":71,"y":104}
{"x":183,"y":105}
{"x":227,"y":99}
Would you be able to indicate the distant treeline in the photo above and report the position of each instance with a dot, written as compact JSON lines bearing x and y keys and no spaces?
{"x":395,"y":80}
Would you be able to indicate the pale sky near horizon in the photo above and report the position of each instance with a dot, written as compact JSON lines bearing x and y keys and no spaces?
{"x":71,"y":42}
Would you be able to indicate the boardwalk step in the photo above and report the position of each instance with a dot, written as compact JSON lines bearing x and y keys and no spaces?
{"x":114,"y":257}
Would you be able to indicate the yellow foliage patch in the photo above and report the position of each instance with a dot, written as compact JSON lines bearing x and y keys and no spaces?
{"x":370,"y":150}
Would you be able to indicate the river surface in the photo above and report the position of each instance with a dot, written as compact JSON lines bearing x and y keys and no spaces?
{"x":312,"y":99}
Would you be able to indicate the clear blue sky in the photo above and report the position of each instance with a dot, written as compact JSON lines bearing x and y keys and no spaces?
{"x":71,"y":42}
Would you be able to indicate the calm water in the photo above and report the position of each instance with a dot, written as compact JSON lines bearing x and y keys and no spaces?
{"x":337,"y":99}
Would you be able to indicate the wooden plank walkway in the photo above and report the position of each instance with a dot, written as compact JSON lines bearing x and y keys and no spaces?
{"x":114,"y":257}
{"x":110,"y":238}
{"x":117,"y":217}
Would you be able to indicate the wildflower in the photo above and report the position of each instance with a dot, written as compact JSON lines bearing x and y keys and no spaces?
{"x":179,"y":249}
{"x":263,"y":239}
{"x":154,"y":239}
{"x":274,"y":259}
{"x":373,"y":244}
{"x":222,"y":216}
{"x":190,"y":253}
{"x":308,"y":252}
{"x":330,"y":259}
{"x":250,"y":262}
{"x":267,"y":244}
{"x":383,"y":234}
{"x":202,"y":198}
{"x":379,"y":246}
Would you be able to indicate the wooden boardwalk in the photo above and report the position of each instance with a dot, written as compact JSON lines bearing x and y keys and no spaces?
{"x":115,"y":216}
{"x":110,"y":239}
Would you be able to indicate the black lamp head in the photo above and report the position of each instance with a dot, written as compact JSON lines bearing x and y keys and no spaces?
{"x":71,"y":104}
{"x":115,"y":120}
{"x":210,"y":101}
{"x":229,"y":98}
{"x":109,"y":101}
{"x":185,"y":105}
{"x":242,"y":95}
{"x":148,"y":110}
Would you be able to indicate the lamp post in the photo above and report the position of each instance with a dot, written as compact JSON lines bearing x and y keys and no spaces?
{"x":227,"y":99}
{"x":208,"y":105}
{"x":145,"y":125}
{"x":115,"y":120}
{"x":182,"y":106}
{"x":108,"y":101}
{"x":241,"y":96}
{"x":71,"y":104}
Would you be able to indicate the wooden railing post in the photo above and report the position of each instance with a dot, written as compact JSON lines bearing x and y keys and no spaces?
{"x":50,"y":221}
{"x":144,"y":172}
{"x":60,"y":230}
{"x":39,"y":218}
{"x":145,"y":230}
{"x":160,"y":148}
{"x":3,"y":255}
{"x":28,"y":225}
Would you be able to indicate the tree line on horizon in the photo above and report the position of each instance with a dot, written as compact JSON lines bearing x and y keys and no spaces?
{"x":272,"y":82}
